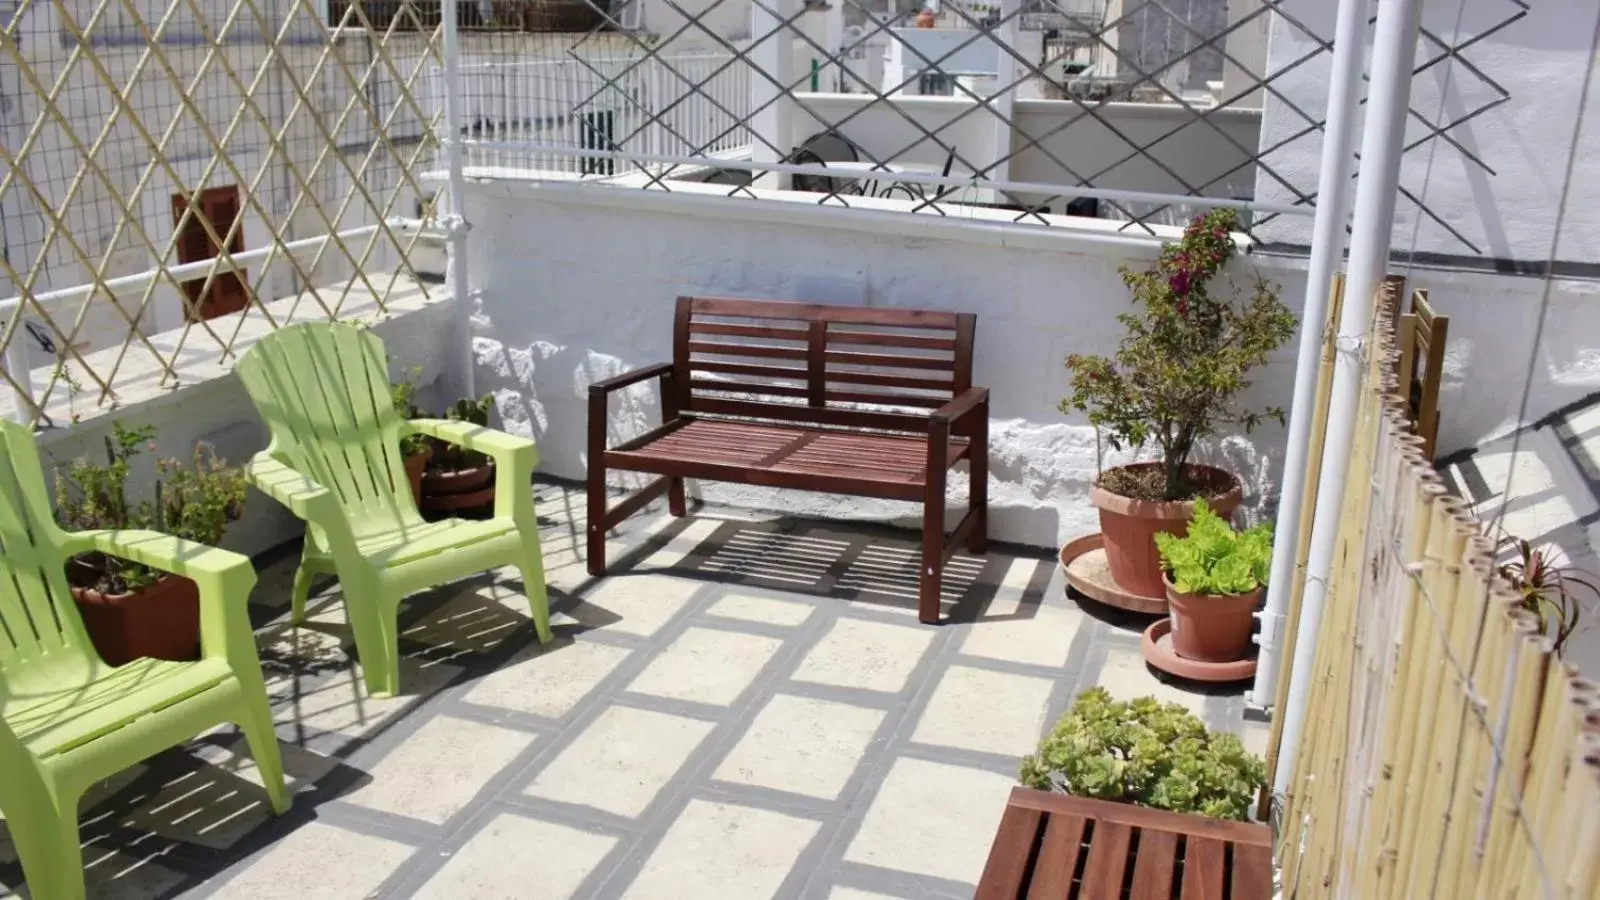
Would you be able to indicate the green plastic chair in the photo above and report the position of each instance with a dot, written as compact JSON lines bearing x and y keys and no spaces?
{"x":334,"y":461}
{"x":68,"y":720}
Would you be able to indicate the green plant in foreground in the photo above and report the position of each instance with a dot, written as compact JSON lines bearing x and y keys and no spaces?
{"x":195,"y":501}
{"x":1146,"y":753}
{"x":1213,"y":559}
{"x":1184,"y":358}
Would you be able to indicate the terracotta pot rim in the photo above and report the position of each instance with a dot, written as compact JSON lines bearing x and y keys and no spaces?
{"x":445,"y":476}
{"x":1173,"y":592}
{"x":1223,"y":502}
{"x":90,"y":595}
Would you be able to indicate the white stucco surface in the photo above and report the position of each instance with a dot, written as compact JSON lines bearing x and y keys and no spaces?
{"x":578,"y":284}
{"x":1506,"y":208}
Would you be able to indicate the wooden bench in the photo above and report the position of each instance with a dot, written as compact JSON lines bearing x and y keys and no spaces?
{"x":838,"y":399}
{"x":1056,"y":847}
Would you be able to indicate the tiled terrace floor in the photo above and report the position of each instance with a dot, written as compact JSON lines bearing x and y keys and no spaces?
{"x":747,"y":709}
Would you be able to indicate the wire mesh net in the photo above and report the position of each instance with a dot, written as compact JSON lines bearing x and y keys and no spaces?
{"x":180,"y":175}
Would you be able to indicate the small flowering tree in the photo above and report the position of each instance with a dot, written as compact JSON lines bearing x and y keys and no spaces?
{"x":1183,"y":360}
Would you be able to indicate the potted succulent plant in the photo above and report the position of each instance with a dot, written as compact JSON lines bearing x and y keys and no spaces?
{"x":459,"y":481}
{"x":414,"y":448}
{"x":131,"y":610}
{"x":1145,"y":753}
{"x":1174,"y":381}
{"x":1214,"y":578}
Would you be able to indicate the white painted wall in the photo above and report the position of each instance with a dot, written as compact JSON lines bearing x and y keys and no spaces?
{"x":1509,"y":213}
{"x":556,"y":315}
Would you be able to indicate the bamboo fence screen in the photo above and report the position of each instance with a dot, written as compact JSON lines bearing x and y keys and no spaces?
{"x":1450,"y":753}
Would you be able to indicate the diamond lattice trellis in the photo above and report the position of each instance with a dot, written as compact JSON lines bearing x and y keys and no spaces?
{"x":183,"y":173}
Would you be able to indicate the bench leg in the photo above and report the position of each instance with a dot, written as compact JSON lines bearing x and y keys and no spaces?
{"x":596,"y":525}
{"x":675,"y":497}
{"x":978,"y":493}
{"x":931,"y":578}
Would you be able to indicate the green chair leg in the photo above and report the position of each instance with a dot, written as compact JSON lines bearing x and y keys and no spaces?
{"x":303,"y":577}
{"x":256,"y":723}
{"x":532,"y":570}
{"x":52,"y":858}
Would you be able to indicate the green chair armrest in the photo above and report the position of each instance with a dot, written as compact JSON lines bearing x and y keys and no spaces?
{"x":167,"y":553}
{"x":224,"y":578}
{"x":286,"y":485}
{"x":503,"y":447}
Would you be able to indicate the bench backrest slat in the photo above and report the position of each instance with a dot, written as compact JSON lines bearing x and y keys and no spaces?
{"x":840,"y":365}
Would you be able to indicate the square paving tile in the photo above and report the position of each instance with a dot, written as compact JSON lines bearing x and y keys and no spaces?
{"x":706,"y":666}
{"x":978,"y":709}
{"x":318,"y":860}
{"x":619,"y":763}
{"x":1039,"y":636}
{"x":436,"y":772}
{"x":932,"y":819}
{"x":802,"y":745}
{"x":548,"y":680}
{"x":1126,"y":676}
{"x":716,"y":850}
{"x":512,"y":854}
{"x":635,"y":604}
{"x":870,"y":655}
{"x":751,"y":608}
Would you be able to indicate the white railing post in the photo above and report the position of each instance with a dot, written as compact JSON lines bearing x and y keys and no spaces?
{"x":18,"y":364}
{"x":1394,"y":54}
{"x":772,"y":126}
{"x":454,"y":222}
{"x":1327,"y":249}
{"x":1005,"y":74}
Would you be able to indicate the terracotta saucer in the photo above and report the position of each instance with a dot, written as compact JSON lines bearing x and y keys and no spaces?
{"x":1157,"y":650}
{"x":1083,"y":559}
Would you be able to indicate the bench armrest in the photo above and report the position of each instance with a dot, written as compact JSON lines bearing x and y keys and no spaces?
{"x":659,"y":370}
{"x":959,"y":407}
{"x":275,"y":478}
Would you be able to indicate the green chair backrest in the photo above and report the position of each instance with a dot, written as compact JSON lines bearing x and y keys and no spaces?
{"x":39,"y":624}
{"x":323,"y":390}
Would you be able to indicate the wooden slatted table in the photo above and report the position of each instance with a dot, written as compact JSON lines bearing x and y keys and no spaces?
{"x":1056,"y":847}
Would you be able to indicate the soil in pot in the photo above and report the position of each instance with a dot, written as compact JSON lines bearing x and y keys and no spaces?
{"x":467,"y":491}
{"x":1129,"y":525}
{"x":1211,"y":628}
{"x":160,"y":620}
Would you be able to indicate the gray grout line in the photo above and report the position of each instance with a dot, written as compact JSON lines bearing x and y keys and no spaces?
{"x":906,"y":884}
{"x":960,"y":756}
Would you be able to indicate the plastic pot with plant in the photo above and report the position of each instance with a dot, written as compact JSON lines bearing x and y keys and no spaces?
{"x":414,"y":448}
{"x":1175,"y":380}
{"x":131,"y":610}
{"x":459,"y":481}
{"x":1214,"y":577}
{"x":1146,"y":753}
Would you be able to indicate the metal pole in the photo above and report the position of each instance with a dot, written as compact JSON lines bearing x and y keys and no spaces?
{"x":454,"y":222}
{"x":1327,"y":250}
{"x":1394,"y":54}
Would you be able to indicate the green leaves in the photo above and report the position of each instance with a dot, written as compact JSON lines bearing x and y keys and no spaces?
{"x":196,"y":501}
{"x":1147,"y":753}
{"x":1213,"y":558}
{"x":1183,"y":359}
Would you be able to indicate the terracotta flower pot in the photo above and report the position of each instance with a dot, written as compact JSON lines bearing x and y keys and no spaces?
{"x":160,"y":620}
{"x":415,"y":465}
{"x":451,"y":492}
{"x":1129,"y":527}
{"x":1211,"y":627}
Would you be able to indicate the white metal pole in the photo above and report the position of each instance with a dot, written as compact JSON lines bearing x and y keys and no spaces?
{"x":1005,"y":74}
{"x":454,"y":221}
{"x":1394,"y":53}
{"x":772,"y":123}
{"x":1327,"y":250}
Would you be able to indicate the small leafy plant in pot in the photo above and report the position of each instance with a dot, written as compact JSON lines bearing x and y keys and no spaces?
{"x":1174,"y":381}
{"x":1214,"y":578}
{"x":459,"y":481}
{"x":1145,"y":753}
{"x":131,"y":610}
